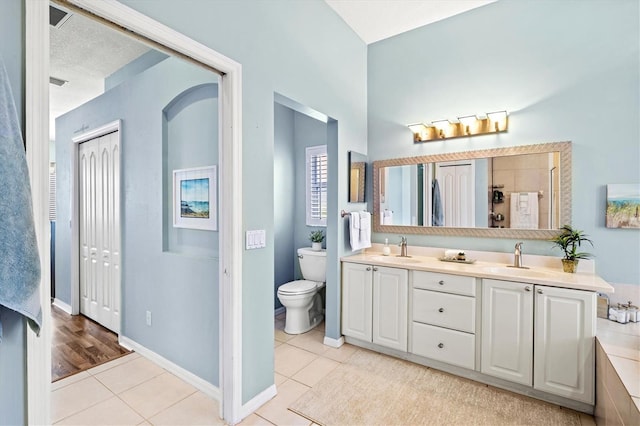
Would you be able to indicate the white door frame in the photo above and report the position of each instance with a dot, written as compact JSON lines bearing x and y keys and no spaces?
{"x":37,"y":140}
{"x":114,"y":126}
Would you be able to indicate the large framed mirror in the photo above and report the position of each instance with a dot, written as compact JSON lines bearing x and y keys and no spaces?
{"x":515,"y":192}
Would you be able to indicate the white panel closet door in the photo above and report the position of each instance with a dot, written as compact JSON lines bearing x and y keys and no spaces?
{"x":457,"y":192}
{"x":99,"y":202}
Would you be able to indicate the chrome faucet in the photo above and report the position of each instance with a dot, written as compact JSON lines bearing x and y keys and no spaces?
{"x":403,"y":247}
{"x":517,"y":256}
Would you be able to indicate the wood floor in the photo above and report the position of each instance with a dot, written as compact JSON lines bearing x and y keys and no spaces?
{"x":79,"y":343}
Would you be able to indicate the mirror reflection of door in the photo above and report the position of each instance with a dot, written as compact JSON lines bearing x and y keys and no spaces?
{"x":457,"y":191}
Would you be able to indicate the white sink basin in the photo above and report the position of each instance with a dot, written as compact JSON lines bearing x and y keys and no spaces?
{"x":529,"y":272}
{"x":395,"y":259}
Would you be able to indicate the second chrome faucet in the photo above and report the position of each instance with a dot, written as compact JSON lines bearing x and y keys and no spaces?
{"x":403,"y":247}
{"x":517,"y":257}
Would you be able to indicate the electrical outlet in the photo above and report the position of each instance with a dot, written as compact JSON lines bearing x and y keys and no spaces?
{"x":149,"y":318}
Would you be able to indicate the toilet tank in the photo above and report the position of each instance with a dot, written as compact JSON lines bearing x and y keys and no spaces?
{"x":313,"y":264}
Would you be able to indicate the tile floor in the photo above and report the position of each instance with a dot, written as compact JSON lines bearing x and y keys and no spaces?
{"x":132,"y":390}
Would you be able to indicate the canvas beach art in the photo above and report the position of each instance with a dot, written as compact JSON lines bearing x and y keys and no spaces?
{"x":623,"y":206}
{"x":194,"y":198}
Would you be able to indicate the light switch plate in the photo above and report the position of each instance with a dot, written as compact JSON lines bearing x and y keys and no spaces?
{"x":256,"y":239}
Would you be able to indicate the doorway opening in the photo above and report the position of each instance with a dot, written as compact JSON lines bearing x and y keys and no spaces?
{"x":38,"y":356}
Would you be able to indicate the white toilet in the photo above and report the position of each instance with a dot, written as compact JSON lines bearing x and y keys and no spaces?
{"x":301,"y":298}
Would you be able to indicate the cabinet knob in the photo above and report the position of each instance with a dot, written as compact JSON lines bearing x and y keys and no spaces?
{"x":539,"y":291}
{"x":375,"y":269}
{"x":527,"y":288}
{"x":441,"y":282}
{"x":441,"y":310}
{"x":441,"y":345}
{"x":368,"y":268}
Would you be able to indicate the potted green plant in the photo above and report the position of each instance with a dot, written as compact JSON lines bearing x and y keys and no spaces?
{"x":569,"y":240}
{"x":316,"y":237}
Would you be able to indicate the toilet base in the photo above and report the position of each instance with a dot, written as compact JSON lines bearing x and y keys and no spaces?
{"x":298,"y":321}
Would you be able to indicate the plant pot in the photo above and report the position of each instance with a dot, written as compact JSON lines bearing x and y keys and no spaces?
{"x":316,"y":246}
{"x":569,"y":265}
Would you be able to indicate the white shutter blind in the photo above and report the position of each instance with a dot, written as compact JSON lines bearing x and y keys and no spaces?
{"x":52,"y":192}
{"x":317,"y":185}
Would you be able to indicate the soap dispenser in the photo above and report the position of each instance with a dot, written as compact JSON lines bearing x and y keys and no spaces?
{"x":386,"y":250}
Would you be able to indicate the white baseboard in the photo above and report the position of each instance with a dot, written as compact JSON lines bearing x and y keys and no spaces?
{"x":195,"y":381}
{"x":61,"y":305}
{"x":279,"y":311}
{"x":334,"y":343}
{"x":257,"y":401}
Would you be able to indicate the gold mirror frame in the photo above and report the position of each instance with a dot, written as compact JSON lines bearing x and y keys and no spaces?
{"x":564,"y":148}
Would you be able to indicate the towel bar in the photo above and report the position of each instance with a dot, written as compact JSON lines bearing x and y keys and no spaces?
{"x":345,"y":213}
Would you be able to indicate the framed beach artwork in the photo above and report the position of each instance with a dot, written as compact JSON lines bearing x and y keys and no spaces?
{"x":194,"y":198}
{"x":623,"y":205}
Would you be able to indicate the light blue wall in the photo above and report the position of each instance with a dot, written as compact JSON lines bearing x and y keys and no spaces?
{"x":284,"y":197}
{"x":181,"y":290}
{"x":138,"y":65}
{"x":13,"y":346}
{"x":294,"y":132}
{"x":307,"y":132}
{"x":302,"y":50}
{"x":190,"y":139}
{"x":565,"y":70}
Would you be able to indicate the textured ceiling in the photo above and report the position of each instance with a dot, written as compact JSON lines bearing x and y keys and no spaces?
{"x":84,"y":52}
{"x":375,"y":20}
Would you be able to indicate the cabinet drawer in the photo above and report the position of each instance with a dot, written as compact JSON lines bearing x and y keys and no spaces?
{"x":446,"y":310}
{"x":441,"y":344}
{"x":447,"y":283}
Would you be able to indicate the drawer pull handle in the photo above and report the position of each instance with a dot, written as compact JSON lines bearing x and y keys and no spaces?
{"x":368,"y":268}
{"x":441,"y":282}
{"x":527,"y":288}
{"x":441,"y":310}
{"x":441,"y":345}
{"x":539,"y":291}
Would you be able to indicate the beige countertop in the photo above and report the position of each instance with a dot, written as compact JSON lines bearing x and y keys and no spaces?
{"x":487,"y":269}
{"x":621,"y":343}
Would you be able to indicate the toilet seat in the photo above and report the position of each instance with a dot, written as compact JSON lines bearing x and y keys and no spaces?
{"x":298,"y":287}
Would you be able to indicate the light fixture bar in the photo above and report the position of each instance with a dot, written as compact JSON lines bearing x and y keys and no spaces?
{"x":463,"y":126}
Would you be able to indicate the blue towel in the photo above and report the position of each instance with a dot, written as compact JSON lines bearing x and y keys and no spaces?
{"x":19,"y":259}
{"x":437,"y":217}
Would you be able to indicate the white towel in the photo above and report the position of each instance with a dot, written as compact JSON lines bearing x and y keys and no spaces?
{"x":524,"y":210}
{"x":365,"y":229}
{"x":354,"y":230}
{"x":387,"y":217}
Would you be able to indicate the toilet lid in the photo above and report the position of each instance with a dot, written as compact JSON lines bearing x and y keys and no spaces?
{"x":298,"y":287}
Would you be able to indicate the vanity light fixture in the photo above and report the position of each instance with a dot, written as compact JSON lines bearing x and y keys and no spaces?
{"x":468,"y":121}
{"x":441,"y":126}
{"x":466,"y":125}
{"x":420,"y":132}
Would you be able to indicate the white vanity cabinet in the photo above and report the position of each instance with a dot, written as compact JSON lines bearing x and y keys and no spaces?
{"x":374,"y":304}
{"x":539,"y":336}
{"x":507,"y":330}
{"x":443,"y":318}
{"x":564,"y":342}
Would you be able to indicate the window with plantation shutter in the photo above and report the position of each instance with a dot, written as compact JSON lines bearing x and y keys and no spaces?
{"x":316,"y":185}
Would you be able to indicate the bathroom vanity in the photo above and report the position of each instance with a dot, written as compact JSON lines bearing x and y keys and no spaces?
{"x":530,"y":331}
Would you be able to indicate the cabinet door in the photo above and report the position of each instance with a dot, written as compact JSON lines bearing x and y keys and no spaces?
{"x":564,"y":340}
{"x":390,"y":300}
{"x":507,"y":330}
{"x":357,"y":300}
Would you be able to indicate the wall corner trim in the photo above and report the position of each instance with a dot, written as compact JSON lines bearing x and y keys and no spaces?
{"x":334,"y":343}
{"x":62,"y":305}
{"x":256,"y":402}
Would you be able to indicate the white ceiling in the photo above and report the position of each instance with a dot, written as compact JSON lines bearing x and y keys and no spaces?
{"x":375,"y":20}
